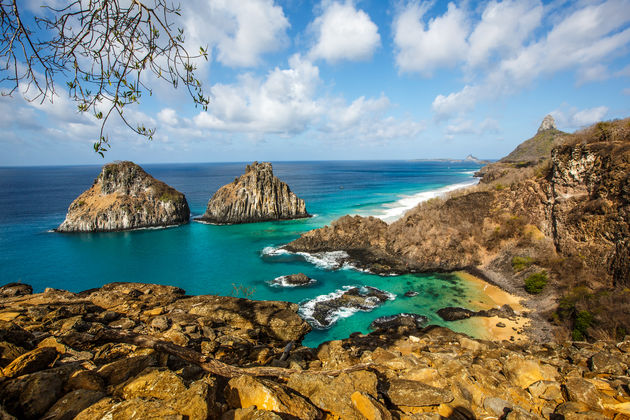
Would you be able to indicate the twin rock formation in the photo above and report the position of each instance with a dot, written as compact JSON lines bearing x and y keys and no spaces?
{"x":125,"y":197}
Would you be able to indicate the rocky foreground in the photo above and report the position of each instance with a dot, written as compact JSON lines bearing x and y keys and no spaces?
{"x":138,"y":351}
{"x":255,"y":196}
{"x":125,"y":197}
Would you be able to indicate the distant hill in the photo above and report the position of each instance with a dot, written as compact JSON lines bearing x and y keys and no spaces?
{"x":538,"y":147}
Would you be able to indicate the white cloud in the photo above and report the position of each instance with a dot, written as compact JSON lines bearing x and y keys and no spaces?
{"x":344,"y":33}
{"x":504,"y":26}
{"x":281,"y":103}
{"x":286,"y":102}
{"x":168,"y":116}
{"x":581,"y":41}
{"x":626,"y":91}
{"x":240,"y":31}
{"x":453,"y":103}
{"x":573,"y":118}
{"x":423,"y":48}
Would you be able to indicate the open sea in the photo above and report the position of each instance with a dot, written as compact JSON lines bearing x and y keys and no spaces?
{"x":207,"y":259}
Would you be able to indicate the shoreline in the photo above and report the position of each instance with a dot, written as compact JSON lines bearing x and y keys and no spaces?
{"x":497,"y":328}
{"x":391,"y":212}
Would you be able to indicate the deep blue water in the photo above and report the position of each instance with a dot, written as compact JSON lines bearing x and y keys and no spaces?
{"x":206,"y":259}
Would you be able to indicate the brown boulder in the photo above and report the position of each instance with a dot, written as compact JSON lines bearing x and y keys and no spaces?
{"x":403,"y":392}
{"x":71,"y":404}
{"x":246,"y":391}
{"x":583,"y":391}
{"x":30,"y":362}
{"x":369,"y":407}
{"x":334,"y":394}
{"x":15,"y":289}
{"x":123,"y":369}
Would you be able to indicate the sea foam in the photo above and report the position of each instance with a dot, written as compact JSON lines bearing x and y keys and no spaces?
{"x":396,"y":210}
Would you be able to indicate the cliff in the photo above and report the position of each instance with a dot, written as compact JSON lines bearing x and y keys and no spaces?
{"x":138,"y":351}
{"x":564,"y":221}
{"x":255,"y":196}
{"x":124,"y":197}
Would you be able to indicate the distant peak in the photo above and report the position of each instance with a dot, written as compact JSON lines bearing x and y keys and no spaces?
{"x":548,"y":123}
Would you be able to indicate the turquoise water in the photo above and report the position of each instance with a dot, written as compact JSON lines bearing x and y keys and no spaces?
{"x":207,"y":259}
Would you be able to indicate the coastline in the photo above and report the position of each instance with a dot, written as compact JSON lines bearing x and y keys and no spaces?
{"x":497,"y":328}
{"x":397,"y":209}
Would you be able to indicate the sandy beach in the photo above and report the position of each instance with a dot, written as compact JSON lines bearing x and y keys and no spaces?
{"x":495,"y":328}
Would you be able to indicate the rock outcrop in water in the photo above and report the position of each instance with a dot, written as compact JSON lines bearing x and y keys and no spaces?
{"x":139,"y":351}
{"x":255,"y":196}
{"x":125,"y":197}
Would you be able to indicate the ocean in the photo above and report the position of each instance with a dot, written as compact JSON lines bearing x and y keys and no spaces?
{"x":231,"y":260}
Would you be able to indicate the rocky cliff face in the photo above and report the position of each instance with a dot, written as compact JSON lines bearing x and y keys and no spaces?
{"x":139,"y":351}
{"x":125,"y":197}
{"x":255,"y":196}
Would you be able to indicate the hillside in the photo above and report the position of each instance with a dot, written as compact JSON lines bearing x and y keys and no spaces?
{"x":556,"y":232}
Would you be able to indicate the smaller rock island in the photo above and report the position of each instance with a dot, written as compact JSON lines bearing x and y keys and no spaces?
{"x":125,"y":197}
{"x":255,"y":196}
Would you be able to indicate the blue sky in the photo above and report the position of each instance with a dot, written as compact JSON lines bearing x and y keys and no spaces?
{"x":372,"y":79}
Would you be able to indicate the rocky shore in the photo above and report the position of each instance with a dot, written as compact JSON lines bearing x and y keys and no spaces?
{"x":255,"y":196}
{"x":138,"y":351}
{"x":549,"y":223}
{"x":125,"y":197}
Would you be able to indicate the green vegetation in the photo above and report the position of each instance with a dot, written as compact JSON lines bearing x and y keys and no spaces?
{"x":521,"y":263}
{"x":534,"y":149}
{"x":167,"y":197}
{"x":583,"y":321}
{"x":536,"y":282}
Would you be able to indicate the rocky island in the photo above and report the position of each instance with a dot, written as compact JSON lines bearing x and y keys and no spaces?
{"x":125,"y":197}
{"x":255,"y":196}
{"x":138,"y":351}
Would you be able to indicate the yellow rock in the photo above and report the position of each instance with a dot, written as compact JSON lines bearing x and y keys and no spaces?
{"x":8,"y":316}
{"x":155,"y":311}
{"x":621,"y":408}
{"x":369,"y":407}
{"x":524,"y":372}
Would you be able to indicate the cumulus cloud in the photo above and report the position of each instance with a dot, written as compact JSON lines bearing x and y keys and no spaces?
{"x":574,"y":118}
{"x":344,"y":33}
{"x":240,"y":32}
{"x":286,"y":102}
{"x":504,"y":26}
{"x":423,"y":48}
{"x":457,"y":102}
{"x":583,"y":40}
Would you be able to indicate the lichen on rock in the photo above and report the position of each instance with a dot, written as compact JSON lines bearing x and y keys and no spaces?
{"x":125,"y":197}
{"x":255,"y":196}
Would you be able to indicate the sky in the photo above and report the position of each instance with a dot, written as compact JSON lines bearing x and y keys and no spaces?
{"x":292,"y":80}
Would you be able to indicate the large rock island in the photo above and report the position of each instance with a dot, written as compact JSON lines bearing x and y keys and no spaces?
{"x":125,"y":197}
{"x":255,"y":196}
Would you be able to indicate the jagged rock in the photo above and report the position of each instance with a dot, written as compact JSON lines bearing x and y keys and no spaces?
{"x":406,"y":393}
{"x":582,"y":391}
{"x":255,"y":196}
{"x":71,"y":404}
{"x":369,"y":407}
{"x":15,"y":289}
{"x":604,"y":362}
{"x":293,"y":280}
{"x":246,"y":391}
{"x":30,"y":396}
{"x":86,"y":379}
{"x":30,"y":362}
{"x":124,"y":197}
{"x":523,"y":372}
{"x":455,"y":314}
{"x":364,"y":298}
{"x":333,"y":395}
{"x":401,"y":320}
{"x":548,"y":123}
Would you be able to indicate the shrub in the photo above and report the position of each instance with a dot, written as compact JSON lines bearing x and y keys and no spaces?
{"x":521,"y":263}
{"x":535,"y":283}
{"x":583,"y":321}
